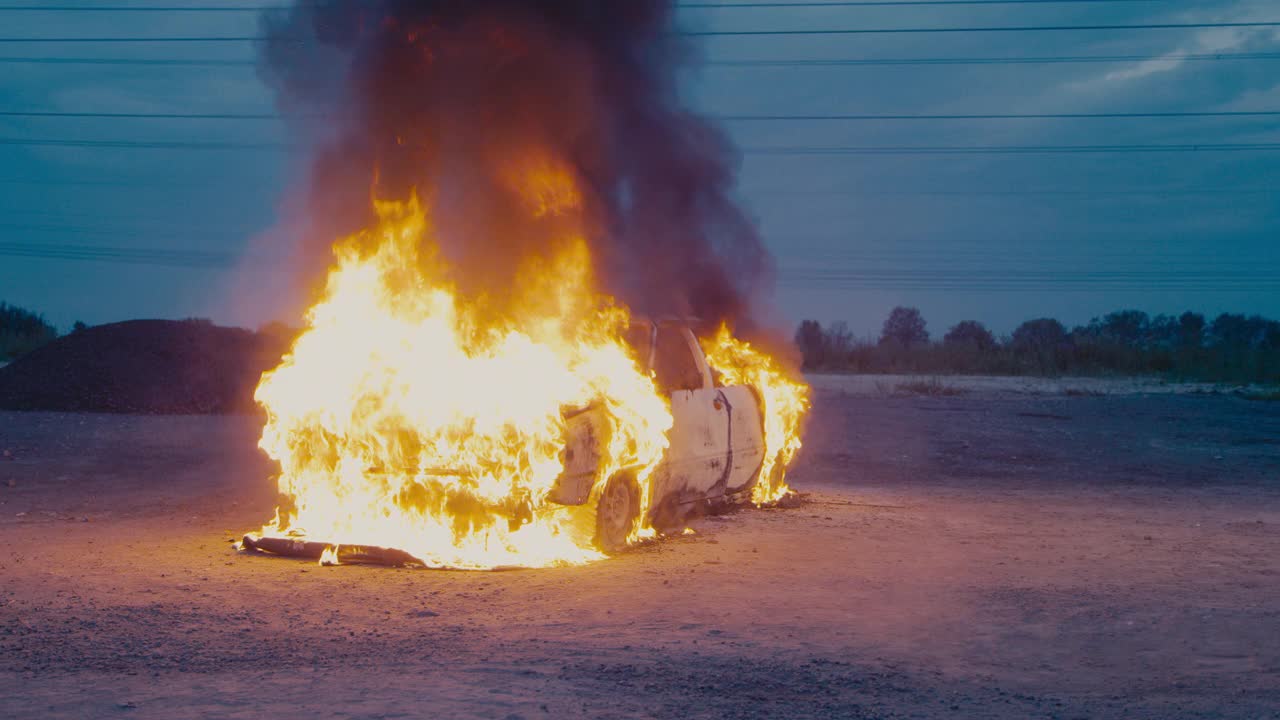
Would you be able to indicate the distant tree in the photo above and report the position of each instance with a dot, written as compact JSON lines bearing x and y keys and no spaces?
{"x":904,"y":327}
{"x":78,"y":326}
{"x":1230,"y":348}
{"x":839,"y":341}
{"x":969,"y":335}
{"x":1042,"y":342}
{"x":811,"y":341}
{"x":1127,"y":328}
{"x":1238,"y":331}
{"x":22,"y":331}
{"x":1162,"y":332}
{"x":822,"y":347}
{"x":1191,"y":330}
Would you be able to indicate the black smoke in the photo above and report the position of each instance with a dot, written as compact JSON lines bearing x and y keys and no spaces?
{"x":445,"y":96}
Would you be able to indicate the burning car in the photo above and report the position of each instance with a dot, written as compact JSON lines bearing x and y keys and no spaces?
{"x":716,"y":451}
{"x":514,"y":186}
{"x":719,"y":454}
{"x":583,"y":429}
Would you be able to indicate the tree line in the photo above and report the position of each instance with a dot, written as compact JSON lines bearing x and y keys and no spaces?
{"x":1228,"y":348}
{"x":22,"y":331}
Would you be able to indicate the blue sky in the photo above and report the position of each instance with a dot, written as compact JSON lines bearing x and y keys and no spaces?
{"x":999,"y":238}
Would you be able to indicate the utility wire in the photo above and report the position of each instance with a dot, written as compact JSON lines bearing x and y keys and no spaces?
{"x":887,"y":279}
{"x":126,"y":184}
{"x":718,"y":33}
{"x":180,"y":62}
{"x":1010,"y":149}
{"x":152,"y":8}
{"x":144,"y":144}
{"x":765,"y":193}
{"x":784,"y":150}
{"x":141,"y":116}
{"x":180,"y":258}
{"x":732,"y":118}
{"x":109,"y":231}
{"x":884,"y":3}
{"x":986,"y":29}
{"x":1001,"y":116}
{"x":1044,"y":60}
{"x":813,"y":62}
{"x":761,"y":193}
{"x":693,"y":5}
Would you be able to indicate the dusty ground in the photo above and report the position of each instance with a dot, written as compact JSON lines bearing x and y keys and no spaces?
{"x":982,"y":556}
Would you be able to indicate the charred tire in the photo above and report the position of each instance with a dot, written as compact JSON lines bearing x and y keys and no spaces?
{"x":617,"y":512}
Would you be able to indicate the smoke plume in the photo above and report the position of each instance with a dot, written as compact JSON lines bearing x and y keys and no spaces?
{"x":453,"y":97}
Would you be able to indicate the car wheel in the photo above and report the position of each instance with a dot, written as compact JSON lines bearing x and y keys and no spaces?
{"x":617,"y":512}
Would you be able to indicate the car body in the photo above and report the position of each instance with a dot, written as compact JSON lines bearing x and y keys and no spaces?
{"x":715,"y":452}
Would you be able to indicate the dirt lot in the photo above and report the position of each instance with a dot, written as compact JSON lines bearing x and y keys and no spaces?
{"x":979,"y":556}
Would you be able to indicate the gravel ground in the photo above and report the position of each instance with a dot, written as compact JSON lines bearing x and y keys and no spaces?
{"x":989,"y":555}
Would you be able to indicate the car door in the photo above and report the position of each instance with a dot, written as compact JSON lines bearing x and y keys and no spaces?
{"x":746,"y":437}
{"x":698,"y":457}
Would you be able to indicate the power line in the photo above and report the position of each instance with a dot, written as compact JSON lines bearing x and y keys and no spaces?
{"x":144,"y":256}
{"x":108,"y":231}
{"x":1010,"y":149}
{"x":212,"y":39}
{"x":127,"y":61}
{"x":1003,"y":116}
{"x":129,"y":185}
{"x":794,"y":150}
{"x":716,"y":33}
{"x":1043,"y":60}
{"x":881,"y":280}
{"x":985,"y":29}
{"x":911,"y":279}
{"x":144,"y":144}
{"x":733,"y":118}
{"x":141,"y":116}
{"x":145,"y":8}
{"x":1101,"y":192}
{"x":884,"y":3}
{"x":125,"y":184}
{"x":694,"y":5}
{"x":1038,"y":288}
{"x":811,"y":62}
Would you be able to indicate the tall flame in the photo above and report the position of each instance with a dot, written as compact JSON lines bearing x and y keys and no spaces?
{"x":410,"y":415}
{"x":784,"y":400}
{"x":407,"y":417}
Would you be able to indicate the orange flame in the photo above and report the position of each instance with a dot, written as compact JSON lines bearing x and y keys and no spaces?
{"x":784,"y":401}
{"x":408,"y":415}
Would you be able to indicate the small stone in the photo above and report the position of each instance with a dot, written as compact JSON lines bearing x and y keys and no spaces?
{"x":12,"y":483}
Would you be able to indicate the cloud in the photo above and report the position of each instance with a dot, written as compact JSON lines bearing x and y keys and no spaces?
{"x":1205,"y":41}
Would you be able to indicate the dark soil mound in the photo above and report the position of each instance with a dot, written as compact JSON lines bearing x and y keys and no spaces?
{"x":142,"y":366}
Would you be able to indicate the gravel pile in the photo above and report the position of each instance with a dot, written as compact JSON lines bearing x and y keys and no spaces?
{"x":143,"y":366}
